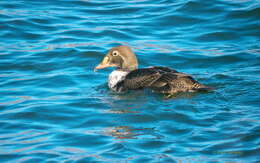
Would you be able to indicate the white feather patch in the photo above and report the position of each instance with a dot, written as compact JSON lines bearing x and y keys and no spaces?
{"x":115,"y":77}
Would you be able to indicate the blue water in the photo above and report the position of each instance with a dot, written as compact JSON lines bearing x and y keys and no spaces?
{"x":54,"y":108}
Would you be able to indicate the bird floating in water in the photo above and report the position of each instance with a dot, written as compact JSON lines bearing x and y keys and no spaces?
{"x":159,"y":79}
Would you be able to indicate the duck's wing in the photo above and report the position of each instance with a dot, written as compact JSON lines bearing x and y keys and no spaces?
{"x":177,"y":82}
{"x":160,"y":79}
{"x":163,"y":69}
{"x":139,"y":78}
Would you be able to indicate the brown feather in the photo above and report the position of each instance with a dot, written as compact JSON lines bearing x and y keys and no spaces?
{"x":161,"y":79}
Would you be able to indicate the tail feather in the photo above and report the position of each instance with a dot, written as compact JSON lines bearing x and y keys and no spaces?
{"x":201,"y":87}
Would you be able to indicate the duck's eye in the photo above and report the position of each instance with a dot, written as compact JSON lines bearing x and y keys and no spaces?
{"x":115,"y":53}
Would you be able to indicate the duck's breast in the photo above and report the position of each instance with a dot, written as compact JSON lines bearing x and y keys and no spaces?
{"x":115,"y":77}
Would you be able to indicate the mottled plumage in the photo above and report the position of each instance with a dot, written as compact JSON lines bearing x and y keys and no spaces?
{"x":159,"y":79}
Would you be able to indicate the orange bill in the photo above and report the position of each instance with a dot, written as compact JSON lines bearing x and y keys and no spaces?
{"x":104,"y":64}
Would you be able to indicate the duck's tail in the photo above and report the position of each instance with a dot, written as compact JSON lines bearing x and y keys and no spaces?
{"x":201,"y":87}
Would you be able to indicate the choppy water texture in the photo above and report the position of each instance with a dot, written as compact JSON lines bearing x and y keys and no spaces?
{"x":54,"y":108}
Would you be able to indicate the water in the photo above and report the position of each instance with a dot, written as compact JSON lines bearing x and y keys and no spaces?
{"x":54,"y":108}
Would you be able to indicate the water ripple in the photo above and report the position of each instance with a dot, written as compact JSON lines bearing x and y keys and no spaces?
{"x":54,"y":108}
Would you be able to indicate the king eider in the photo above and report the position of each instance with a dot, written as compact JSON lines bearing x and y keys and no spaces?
{"x":159,"y":79}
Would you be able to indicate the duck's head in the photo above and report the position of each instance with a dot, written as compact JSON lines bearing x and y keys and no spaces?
{"x":121,"y":57}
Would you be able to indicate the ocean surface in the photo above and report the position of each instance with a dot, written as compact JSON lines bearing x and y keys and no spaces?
{"x":55,"y":108}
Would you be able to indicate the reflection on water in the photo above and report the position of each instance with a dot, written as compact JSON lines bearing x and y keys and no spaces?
{"x":126,"y":132}
{"x":16,"y":99}
{"x":166,"y":48}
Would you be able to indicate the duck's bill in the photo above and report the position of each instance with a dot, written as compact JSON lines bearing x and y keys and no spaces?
{"x":102,"y":66}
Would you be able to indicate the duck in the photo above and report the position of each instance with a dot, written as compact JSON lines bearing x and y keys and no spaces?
{"x":127,"y":76}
